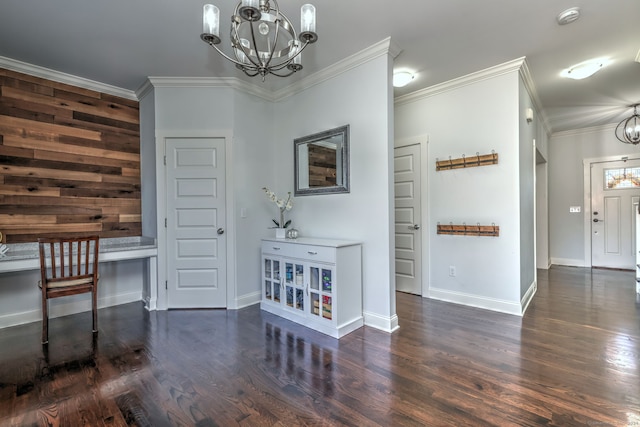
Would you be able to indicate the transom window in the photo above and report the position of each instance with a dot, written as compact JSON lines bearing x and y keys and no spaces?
{"x":622,"y":178}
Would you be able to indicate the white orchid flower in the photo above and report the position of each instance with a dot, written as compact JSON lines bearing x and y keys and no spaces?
{"x":282,"y":204}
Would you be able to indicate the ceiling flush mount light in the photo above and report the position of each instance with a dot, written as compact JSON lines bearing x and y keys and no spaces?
{"x":263,"y":39}
{"x":585,"y":69}
{"x":402,"y":78}
{"x":628,"y":130}
{"x":568,"y":16}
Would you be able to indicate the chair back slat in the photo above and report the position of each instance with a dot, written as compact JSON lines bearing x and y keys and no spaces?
{"x":68,"y":257}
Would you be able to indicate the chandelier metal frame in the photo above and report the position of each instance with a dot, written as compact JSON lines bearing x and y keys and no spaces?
{"x":628,"y":130}
{"x":248,"y":56}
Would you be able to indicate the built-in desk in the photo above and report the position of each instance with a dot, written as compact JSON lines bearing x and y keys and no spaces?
{"x":25,"y":256}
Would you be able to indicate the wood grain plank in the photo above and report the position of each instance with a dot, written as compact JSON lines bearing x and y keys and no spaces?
{"x":54,"y":146}
{"x":70,"y":157}
{"x":130,"y":218}
{"x":100,"y":193}
{"x":6,"y":81}
{"x":34,"y":210}
{"x":100,"y":107}
{"x":19,"y":126}
{"x":21,"y":219}
{"x":39,"y":229}
{"x":59,"y":165}
{"x":62,"y":183}
{"x":50,"y":83}
{"x":79,"y":219}
{"x":50,"y":173}
{"x":29,"y":190}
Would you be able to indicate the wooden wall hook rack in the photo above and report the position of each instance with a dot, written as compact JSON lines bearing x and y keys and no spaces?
{"x":468,"y":162}
{"x":469,"y":230}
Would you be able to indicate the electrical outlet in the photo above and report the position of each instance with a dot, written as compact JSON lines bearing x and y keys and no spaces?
{"x":452,"y":271}
{"x":574,"y":209}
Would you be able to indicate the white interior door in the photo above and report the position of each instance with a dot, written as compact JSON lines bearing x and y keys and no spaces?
{"x":196,"y":242}
{"x":408,"y":215}
{"x":613,"y":213}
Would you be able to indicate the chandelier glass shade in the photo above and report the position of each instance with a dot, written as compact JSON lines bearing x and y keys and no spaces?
{"x":263,"y":39}
{"x":628,"y":130}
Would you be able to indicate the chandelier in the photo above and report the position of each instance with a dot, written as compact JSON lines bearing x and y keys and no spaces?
{"x":628,"y":130}
{"x":263,"y":39}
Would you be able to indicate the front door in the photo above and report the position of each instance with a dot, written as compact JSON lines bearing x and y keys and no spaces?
{"x":408,"y":215}
{"x":615,"y":190}
{"x":196,"y":257}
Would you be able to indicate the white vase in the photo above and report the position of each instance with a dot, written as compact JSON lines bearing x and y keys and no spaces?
{"x":281,"y":233}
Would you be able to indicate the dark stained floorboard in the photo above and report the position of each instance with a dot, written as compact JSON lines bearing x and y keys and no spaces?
{"x":572,"y":360}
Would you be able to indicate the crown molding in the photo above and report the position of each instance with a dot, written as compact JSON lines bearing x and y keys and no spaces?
{"x":594,"y":129}
{"x":219,"y":82}
{"x":530,"y":86}
{"x":498,"y":70}
{"x":60,"y":77}
{"x":383,"y":47}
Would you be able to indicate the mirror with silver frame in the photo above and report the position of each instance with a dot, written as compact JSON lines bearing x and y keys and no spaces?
{"x":322,"y":162}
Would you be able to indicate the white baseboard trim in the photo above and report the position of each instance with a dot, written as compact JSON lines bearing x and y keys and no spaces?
{"x":528,"y":296}
{"x":247,"y":300}
{"x":383,"y":323}
{"x":66,"y":309}
{"x":150,"y":304}
{"x":493,"y":304}
{"x":569,"y":262}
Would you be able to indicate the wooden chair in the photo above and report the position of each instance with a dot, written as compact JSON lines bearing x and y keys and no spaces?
{"x":68,"y":266}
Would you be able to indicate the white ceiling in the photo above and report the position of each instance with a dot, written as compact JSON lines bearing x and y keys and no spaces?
{"x":121,"y":42}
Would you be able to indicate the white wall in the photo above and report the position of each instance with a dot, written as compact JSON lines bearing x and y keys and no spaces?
{"x":567,"y":152}
{"x":528,"y":134}
{"x":362,"y":98}
{"x":465,"y":119}
{"x":256,"y":161}
{"x":181,"y":106}
{"x":542,"y":216}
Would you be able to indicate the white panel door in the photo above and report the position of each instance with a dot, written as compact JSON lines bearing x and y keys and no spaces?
{"x":407,"y":222}
{"x":613,"y":216}
{"x":196,"y":257}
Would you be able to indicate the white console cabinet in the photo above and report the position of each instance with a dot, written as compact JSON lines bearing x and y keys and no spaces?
{"x":314,"y":282}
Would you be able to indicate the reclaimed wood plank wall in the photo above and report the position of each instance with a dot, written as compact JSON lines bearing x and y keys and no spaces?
{"x":69,"y":161}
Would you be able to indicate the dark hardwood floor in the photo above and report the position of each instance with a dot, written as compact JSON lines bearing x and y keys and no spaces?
{"x":572,"y":360}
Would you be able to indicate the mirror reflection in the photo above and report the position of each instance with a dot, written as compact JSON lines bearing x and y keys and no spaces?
{"x":322,"y":162}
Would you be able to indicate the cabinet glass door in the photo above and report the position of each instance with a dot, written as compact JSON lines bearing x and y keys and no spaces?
{"x":294,"y":285}
{"x":271,"y":276}
{"x":320,"y":292}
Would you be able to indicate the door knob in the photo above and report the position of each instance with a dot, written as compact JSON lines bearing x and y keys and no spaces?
{"x":414,"y":227}
{"x":220,"y":230}
{"x":597,"y":220}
